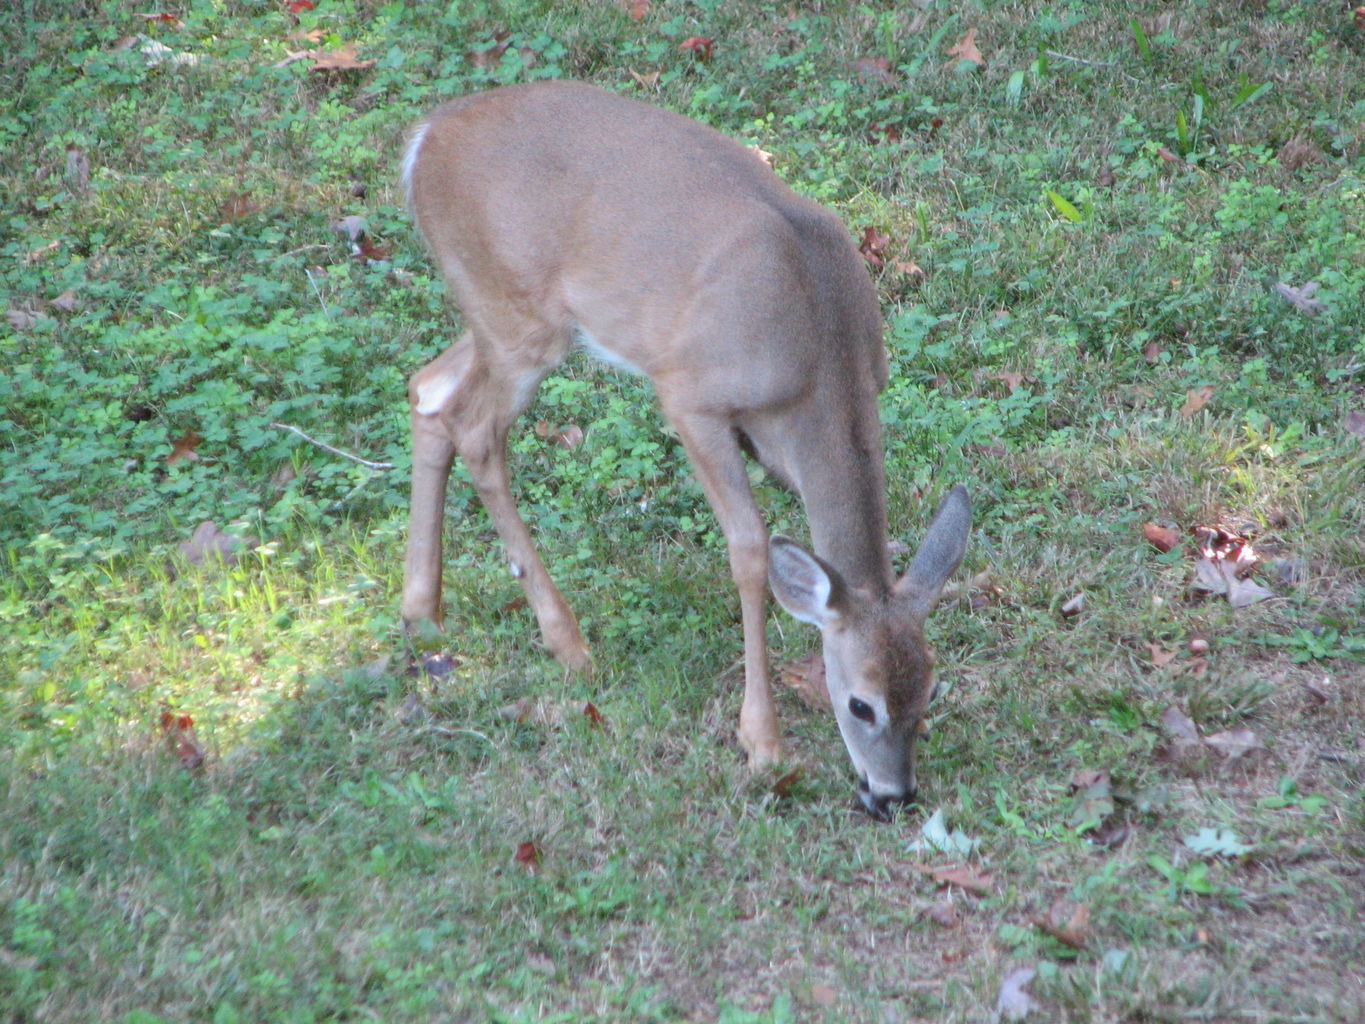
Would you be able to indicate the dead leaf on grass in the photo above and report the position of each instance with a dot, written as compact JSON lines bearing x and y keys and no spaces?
{"x":646,"y":81}
{"x":1073,"y":607}
{"x":178,"y":729}
{"x":1180,"y":726}
{"x":1067,"y":922}
{"x":183,"y":449}
{"x":209,"y":543}
{"x":1233,"y":743}
{"x":824,"y":995}
{"x":782,"y":788}
{"x":1301,"y":298}
{"x":1195,"y":400}
{"x":876,"y":69}
{"x":945,"y":915}
{"x":807,"y":679}
{"x":529,"y":856}
{"x":966,"y":50}
{"x":873,"y":246}
{"x":1163,"y":538}
{"x":963,"y":876}
{"x":551,"y":714}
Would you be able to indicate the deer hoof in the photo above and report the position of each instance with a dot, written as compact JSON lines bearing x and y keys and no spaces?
{"x":763,"y":750}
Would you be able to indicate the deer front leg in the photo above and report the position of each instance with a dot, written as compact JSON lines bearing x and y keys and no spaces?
{"x":716,"y":457}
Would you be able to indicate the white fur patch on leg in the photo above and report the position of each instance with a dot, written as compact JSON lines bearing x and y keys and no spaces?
{"x":410,"y":154}
{"x":434,"y":391}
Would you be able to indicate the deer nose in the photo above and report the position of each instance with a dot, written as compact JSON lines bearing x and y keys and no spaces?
{"x":880,"y":805}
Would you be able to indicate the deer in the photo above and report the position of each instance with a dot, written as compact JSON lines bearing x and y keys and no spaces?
{"x":561,"y":215}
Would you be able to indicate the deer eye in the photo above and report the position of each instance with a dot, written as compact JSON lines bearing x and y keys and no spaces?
{"x":861,"y":709}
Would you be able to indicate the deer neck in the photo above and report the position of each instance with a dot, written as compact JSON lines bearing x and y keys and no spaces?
{"x":843,"y":487}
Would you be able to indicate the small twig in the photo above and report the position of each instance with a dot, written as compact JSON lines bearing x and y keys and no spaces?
{"x":1090,"y":63}
{"x":302,"y":248}
{"x":335,"y":451}
{"x":321,"y":301}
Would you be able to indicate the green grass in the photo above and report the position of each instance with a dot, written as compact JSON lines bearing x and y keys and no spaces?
{"x":1103,"y":209}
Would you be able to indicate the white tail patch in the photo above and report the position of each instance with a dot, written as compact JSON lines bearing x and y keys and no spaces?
{"x":419,"y":135}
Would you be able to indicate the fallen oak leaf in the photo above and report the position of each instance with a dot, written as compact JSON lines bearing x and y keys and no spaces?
{"x":1068,"y":923}
{"x":701,"y":47}
{"x":965,"y":50}
{"x":184,"y":448}
{"x":962,"y":876}
{"x":1195,"y":400}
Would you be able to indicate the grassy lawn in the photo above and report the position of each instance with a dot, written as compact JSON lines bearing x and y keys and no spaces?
{"x":1121,"y":255}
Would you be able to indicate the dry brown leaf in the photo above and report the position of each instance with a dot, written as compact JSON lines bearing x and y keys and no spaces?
{"x":184,"y":448}
{"x":701,"y":47}
{"x":178,"y":729}
{"x":637,"y":9}
{"x":782,"y":788}
{"x":1196,"y":400}
{"x":1009,"y":378}
{"x":1163,"y":538}
{"x":209,"y":542}
{"x":966,"y":49}
{"x":344,"y":59}
{"x":875,"y":69}
{"x":1180,"y":726}
{"x":1233,"y":743}
{"x":238,"y":206}
{"x":1152,"y":352}
{"x":873,"y":245}
{"x":1067,"y":922}
{"x":42,"y":252}
{"x":66,"y":302}
{"x":551,"y":714}
{"x":911,"y":270}
{"x":1160,"y":657}
{"x":77,"y":170}
{"x":529,"y":856}
{"x":1073,"y":607}
{"x":646,"y":81}
{"x":807,"y":680}
{"x":963,"y":876}
{"x":944,"y":914}
{"x":1170,"y":157}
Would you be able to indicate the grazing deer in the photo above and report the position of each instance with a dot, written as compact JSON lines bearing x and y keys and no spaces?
{"x":559,"y":214}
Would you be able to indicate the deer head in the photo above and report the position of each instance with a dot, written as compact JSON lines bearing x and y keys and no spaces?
{"x":878,"y":666}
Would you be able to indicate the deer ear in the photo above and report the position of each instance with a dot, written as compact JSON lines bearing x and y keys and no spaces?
{"x":939,"y":556}
{"x":806,"y":586}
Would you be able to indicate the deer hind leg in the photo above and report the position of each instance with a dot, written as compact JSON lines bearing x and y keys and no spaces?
{"x":462,"y":404}
{"x":715,"y":454}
